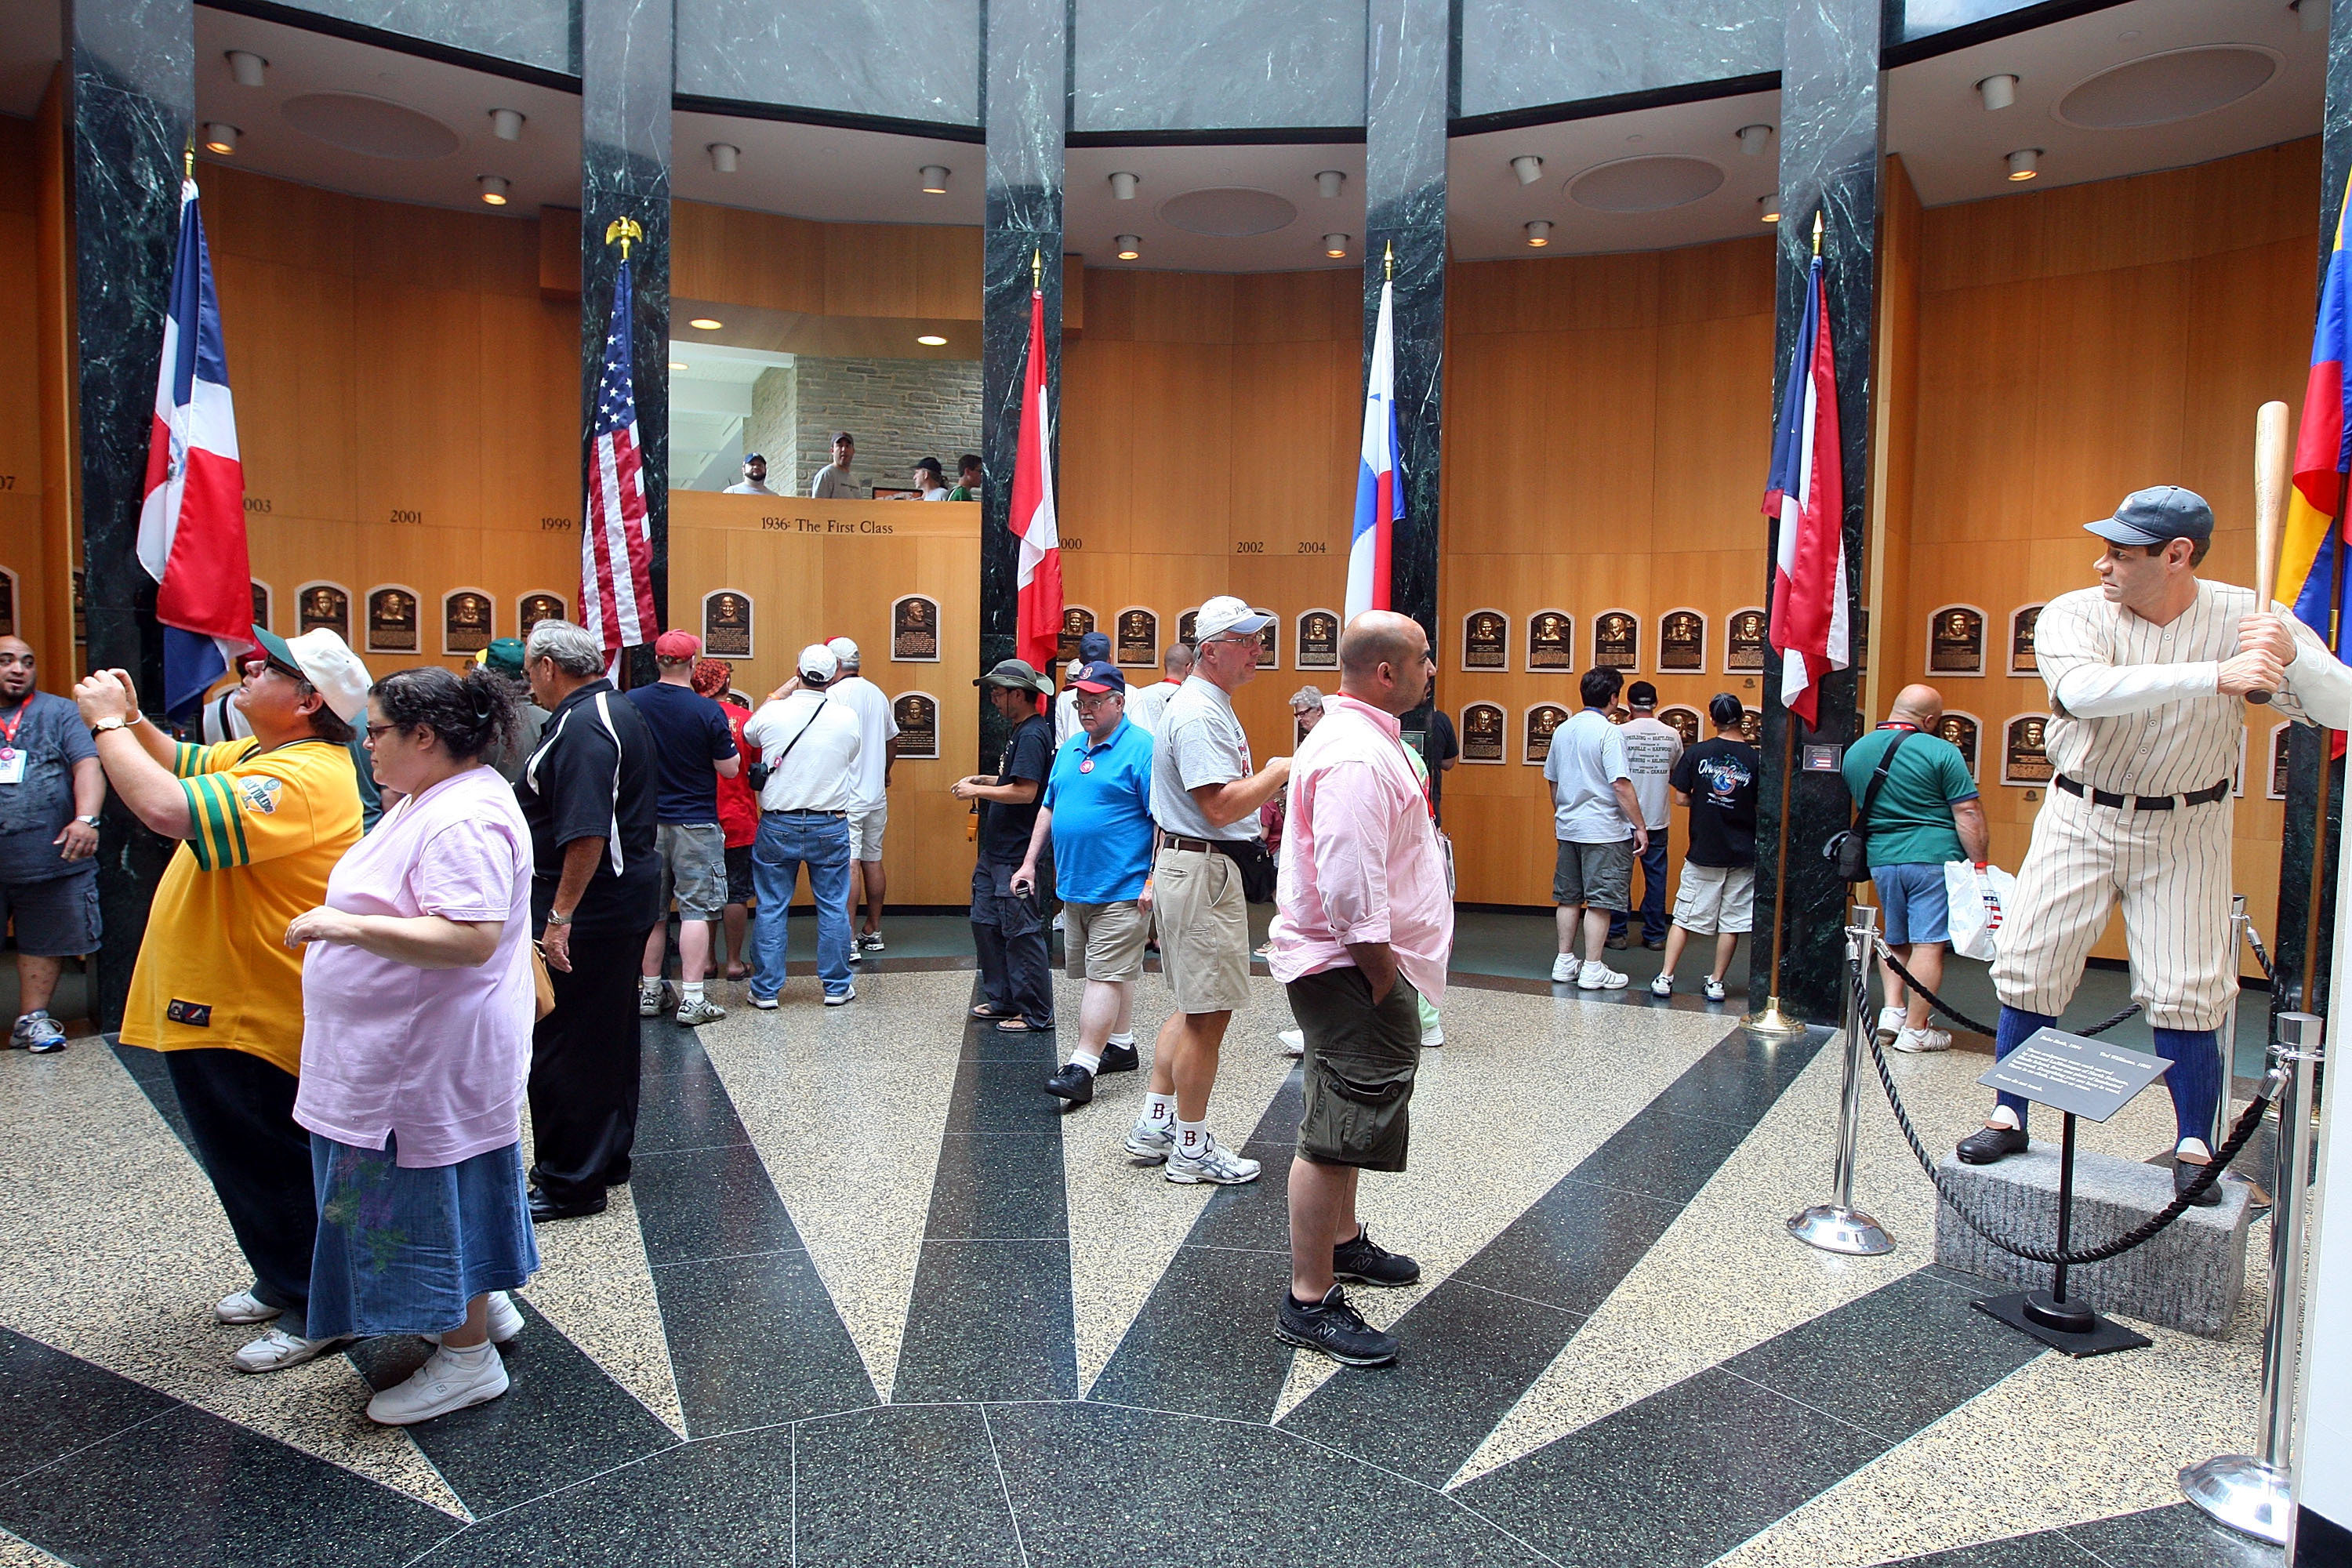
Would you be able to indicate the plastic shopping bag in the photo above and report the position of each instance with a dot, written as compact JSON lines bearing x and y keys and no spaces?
{"x":1976,"y":900}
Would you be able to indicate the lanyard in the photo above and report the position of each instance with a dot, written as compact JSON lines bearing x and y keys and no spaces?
{"x":8,"y":732}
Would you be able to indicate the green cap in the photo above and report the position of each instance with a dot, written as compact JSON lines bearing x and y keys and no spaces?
{"x":504,"y":655}
{"x":1017,"y":675}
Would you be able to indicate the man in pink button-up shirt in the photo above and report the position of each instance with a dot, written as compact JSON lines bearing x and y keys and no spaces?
{"x":1362,"y":928}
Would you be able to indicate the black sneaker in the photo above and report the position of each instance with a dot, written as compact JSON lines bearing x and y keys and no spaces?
{"x":1363,"y":1261}
{"x":1334,"y":1328}
{"x":1619,"y":943}
{"x":1073,"y":1083}
{"x":1987,"y":1144}
{"x":2187,"y":1171}
{"x":1119,"y":1059}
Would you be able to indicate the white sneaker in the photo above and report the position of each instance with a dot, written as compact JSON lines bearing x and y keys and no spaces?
{"x":448,"y":1381}
{"x":841,"y":998}
{"x":1915,"y":1040}
{"x":700,"y":1010}
{"x":1151,"y":1142}
{"x":1293,"y":1042}
{"x":506,"y":1320}
{"x":1601,"y":977}
{"x":764,"y":1004}
{"x":1563,"y":969}
{"x":1214,"y":1162}
{"x":1891,"y":1021}
{"x":1432,"y":1036}
{"x":1714,"y":989}
{"x":243,"y":1306}
{"x":1664,"y":985}
{"x":276,"y":1350}
{"x":649,"y":1002}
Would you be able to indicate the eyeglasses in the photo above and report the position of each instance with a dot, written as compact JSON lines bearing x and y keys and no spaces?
{"x":1092,"y":702}
{"x":255,"y":666}
{"x":375,"y":730}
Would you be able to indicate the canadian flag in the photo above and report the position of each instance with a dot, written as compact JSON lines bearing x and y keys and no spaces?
{"x":1038,"y":629}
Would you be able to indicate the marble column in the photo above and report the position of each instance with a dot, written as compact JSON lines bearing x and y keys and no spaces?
{"x":1830,"y":115}
{"x":1025,"y":110}
{"x":132,"y":107}
{"x":1408,"y":59}
{"x":627,"y":48}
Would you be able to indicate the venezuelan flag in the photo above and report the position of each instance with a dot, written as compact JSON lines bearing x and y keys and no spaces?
{"x":2312,"y":573}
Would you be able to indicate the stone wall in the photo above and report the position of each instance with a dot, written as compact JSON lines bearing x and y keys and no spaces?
{"x":769,"y":429}
{"x":899,"y":409}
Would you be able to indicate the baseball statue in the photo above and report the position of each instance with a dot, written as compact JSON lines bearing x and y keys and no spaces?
{"x":2149,"y":674}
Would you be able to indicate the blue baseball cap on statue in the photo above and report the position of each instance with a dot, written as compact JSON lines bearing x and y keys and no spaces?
{"x":2157,"y":515}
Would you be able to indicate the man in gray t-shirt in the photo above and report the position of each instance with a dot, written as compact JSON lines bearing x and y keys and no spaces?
{"x":1201,"y":741}
{"x":1652,"y":749}
{"x":1598,"y":822}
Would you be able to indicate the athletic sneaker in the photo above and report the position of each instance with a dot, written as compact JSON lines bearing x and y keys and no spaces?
{"x":764,"y":1004}
{"x":449,"y":1380}
{"x":856,"y":954}
{"x":1363,"y":1261}
{"x":1891,"y":1022}
{"x":1664,"y":985}
{"x":38,"y":1033}
{"x":1293,"y":1042}
{"x":1214,"y":1163}
{"x":649,"y":1003}
{"x":276,"y":1350}
{"x":1915,"y":1040}
{"x":840,"y":998}
{"x":1432,"y":1036}
{"x":872,"y":941}
{"x":701,"y":1010}
{"x":1601,"y":977}
{"x":1151,"y":1142}
{"x":1563,"y":969}
{"x":506,"y":1320}
{"x":243,"y":1306}
{"x":1335,"y":1328}
{"x":1714,"y":989}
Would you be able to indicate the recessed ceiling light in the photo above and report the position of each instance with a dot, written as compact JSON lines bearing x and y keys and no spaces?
{"x":1998,"y":92}
{"x":935,"y":179}
{"x":1754,"y":139}
{"x":2022,"y":162}
{"x":220,"y":139}
{"x":246,"y":68}
{"x":1539,"y":232}
{"x":1328,"y":182}
{"x":1122,"y":186}
{"x":494,"y":190}
{"x":1769,"y":207}
{"x":706,"y":324}
{"x":1127,"y":247}
{"x":932,"y":340}
{"x":1528,"y":167}
{"x":506,"y":124}
{"x":1335,"y":245}
{"x":722,"y":157}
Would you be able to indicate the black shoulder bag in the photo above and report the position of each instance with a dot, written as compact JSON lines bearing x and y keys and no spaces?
{"x":1850,"y":851}
{"x":1256,"y":863}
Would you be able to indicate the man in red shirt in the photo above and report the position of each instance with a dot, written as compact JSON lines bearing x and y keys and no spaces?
{"x":738,"y":820}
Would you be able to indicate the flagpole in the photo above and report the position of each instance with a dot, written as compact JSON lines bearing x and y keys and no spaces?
{"x":2326,"y":766}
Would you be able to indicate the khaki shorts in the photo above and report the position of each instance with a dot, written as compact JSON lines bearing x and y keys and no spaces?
{"x":865,"y":833}
{"x":1598,"y":876}
{"x":1716,"y":899}
{"x":1361,"y":1060}
{"x":1196,"y":894}
{"x":1103,"y":942}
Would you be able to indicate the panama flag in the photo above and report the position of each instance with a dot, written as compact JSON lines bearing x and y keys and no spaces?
{"x":2309,"y":575}
{"x":1038,"y":628}
{"x":1805,"y":493}
{"x":1379,"y":501}
{"x":192,"y":523}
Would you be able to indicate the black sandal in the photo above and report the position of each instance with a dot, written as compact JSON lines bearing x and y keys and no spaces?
{"x":985,"y":1011}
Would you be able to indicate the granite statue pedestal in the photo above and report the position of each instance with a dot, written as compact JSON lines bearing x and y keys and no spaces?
{"x":2190,"y":1276}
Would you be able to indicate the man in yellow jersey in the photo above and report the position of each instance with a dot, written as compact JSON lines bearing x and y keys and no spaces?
{"x":262,"y":821}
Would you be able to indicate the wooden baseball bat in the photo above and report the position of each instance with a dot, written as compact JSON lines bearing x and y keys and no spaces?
{"x":2272,"y":453}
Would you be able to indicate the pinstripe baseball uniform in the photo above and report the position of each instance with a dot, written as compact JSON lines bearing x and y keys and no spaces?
{"x":2134,"y":713}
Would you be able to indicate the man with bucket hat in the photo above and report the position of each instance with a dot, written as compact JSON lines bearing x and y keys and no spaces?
{"x":1008,"y":929}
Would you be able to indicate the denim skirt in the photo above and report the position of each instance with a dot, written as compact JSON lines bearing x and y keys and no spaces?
{"x":401,"y":1251}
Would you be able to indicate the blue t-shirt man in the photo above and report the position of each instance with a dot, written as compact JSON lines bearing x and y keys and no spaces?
{"x":1100,"y":794}
{"x":690,"y":733}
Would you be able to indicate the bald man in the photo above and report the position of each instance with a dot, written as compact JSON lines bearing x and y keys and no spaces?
{"x":1924,"y":813}
{"x":51,"y":787}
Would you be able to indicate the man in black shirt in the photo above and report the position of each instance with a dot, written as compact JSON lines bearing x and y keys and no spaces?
{"x":587,"y":792}
{"x":1009,"y":929}
{"x":1441,"y":748}
{"x":1716,"y":779}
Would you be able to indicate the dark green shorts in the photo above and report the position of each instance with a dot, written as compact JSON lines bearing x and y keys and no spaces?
{"x":1361,"y":1058}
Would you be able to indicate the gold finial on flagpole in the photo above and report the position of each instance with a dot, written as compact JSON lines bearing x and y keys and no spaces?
{"x":1387,"y":263}
{"x":188,"y":159}
{"x":623,"y":229}
{"x":1037,"y":268}
{"x":1817,"y":232}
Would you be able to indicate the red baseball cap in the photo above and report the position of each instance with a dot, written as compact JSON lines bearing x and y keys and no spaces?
{"x":674,"y":646}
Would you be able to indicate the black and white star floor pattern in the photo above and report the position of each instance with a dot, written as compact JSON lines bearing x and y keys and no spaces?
{"x":871,"y":1298}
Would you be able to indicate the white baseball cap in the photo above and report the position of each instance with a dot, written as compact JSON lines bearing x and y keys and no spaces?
{"x":1226,"y":614}
{"x":818,"y":663}
{"x":843,"y":649}
{"x":327,"y":663}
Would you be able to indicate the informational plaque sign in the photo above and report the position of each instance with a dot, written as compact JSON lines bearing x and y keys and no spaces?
{"x":1617,"y":640}
{"x":1485,"y":640}
{"x":1077,"y":622}
{"x":1318,"y":639}
{"x":2023,"y":761}
{"x":918,"y":713}
{"x":1543,"y":719}
{"x":1138,"y":640}
{"x":1269,"y":638}
{"x":1743,"y":643}
{"x":1960,"y":730}
{"x":727,"y":624}
{"x":261,"y":605}
{"x":1685,"y":722}
{"x":2021,"y":639}
{"x":915,"y":636}
{"x":1185,"y":624}
{"x":1551,"y":640}
{"x":1751,"y":726}
{"x":324,"y":605}
{"x":1956,"y":641}
{"x":391,"y":620}
{"x":7,"y":602}
{"x":81,"y":607}
{"x":466,"y":616}
{"x":2086,"y":1077}
{"x":2279,"y":734}
{"x":1681,"y":643}
{"x":1482,"y":733}
{"x":533,"y":609}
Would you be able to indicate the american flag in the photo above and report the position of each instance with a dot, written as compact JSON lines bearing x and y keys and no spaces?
{"x":616,"y":592}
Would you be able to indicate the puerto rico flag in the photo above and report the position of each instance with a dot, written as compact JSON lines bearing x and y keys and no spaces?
{"x":1806,"y":493}
{"x":1038,"y":626}
{"x":192,"y":522}
{"x":1380,"y":500}
{"x":616,"y":589}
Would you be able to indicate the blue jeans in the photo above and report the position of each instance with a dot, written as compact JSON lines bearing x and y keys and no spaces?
{"x":1653,"y":892}
{"x":789,"y":840}
{"x":1008,"y":932}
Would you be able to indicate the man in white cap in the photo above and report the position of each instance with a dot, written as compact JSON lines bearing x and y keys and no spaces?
{"x":261,"y":822}
{"x":870,"y":805}
{"x":811,"y":747}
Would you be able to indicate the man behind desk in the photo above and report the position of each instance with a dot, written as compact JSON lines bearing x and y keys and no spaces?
{"x":755,"y":478}
{"x":832,"y":482}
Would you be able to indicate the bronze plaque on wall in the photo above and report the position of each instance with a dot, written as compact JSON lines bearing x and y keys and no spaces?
{"x":918,"y":714}
{"x":1961,"y":732}
{"x":2020,"y":640}
{"x":1318,"y":640}
{"x":727,"y":624}
{"x":1743,"y":650}
{"x":1956,"y":641}
{"x":1751,"y":726}
{"x":324,"y":605}
{"x":1685,"y":720}
{"x":391,"y":620}
{"x":2278,"y":760}
{"x":261,"y":606}
{"x":1551,"y":640}
{"x":1077,"y":622}
{"x":915,"y":635}
{"x":81,"y":607}
{"x":1185,"y":624}
{"x":533,"y":609}
{"x":1482,"y":733}
{"x":465,"y":622}
{"x":1485,"y":640}
{"x":1269,"y":638}
{"x":1543,"y":719}
{"x":7,"y":604}
{"x":1681,"y":643}
{"x":2023,"y":761}
{"x":1616,"y":641}
{"x":1137,"y":641}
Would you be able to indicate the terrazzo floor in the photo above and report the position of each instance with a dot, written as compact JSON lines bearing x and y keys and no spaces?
{"x":872,"y":1297}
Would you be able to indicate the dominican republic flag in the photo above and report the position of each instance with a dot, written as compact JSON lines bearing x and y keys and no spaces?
{"x":192,"y":522}
{"x":616,"y":590}
{"x":1805,"y":493}
{"x":1038,"y":629}
{"x":1380,"y":500}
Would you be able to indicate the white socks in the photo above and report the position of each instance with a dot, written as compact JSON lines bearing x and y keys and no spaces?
{"x":2002,"y":1116}
{"x":1087,"y":1059}
{"x":2196,"y":1151}
{"x":1192,"y":1137}
{"x":693,"y":989}
{"x":1124,"y":1037}
{"x":1160,"y":1110}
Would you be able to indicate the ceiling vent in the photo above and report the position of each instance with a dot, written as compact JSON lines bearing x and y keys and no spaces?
{"x":1227,"y":213}
{"x":1645,"y":185}
{"x":373,"y":127}
{"x":2157,"y":90}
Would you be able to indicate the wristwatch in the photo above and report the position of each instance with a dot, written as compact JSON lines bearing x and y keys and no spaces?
{"x":113,"y":722}
{"x":92,"y":820}
{"x":556,"y":919}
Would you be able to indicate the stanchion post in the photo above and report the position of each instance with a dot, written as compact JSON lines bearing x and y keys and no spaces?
{"x":2229,"y":1036}
{"x":1838,"y":1225}
{"x":2254,"y":1492}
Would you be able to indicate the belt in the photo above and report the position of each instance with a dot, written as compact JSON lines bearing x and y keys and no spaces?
{"x":797,"y":811}
{"x":1202,"y":845}
{"x":2141,"y":802}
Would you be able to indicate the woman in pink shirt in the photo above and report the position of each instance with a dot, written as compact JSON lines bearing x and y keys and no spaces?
{"x":417,"y":1004}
